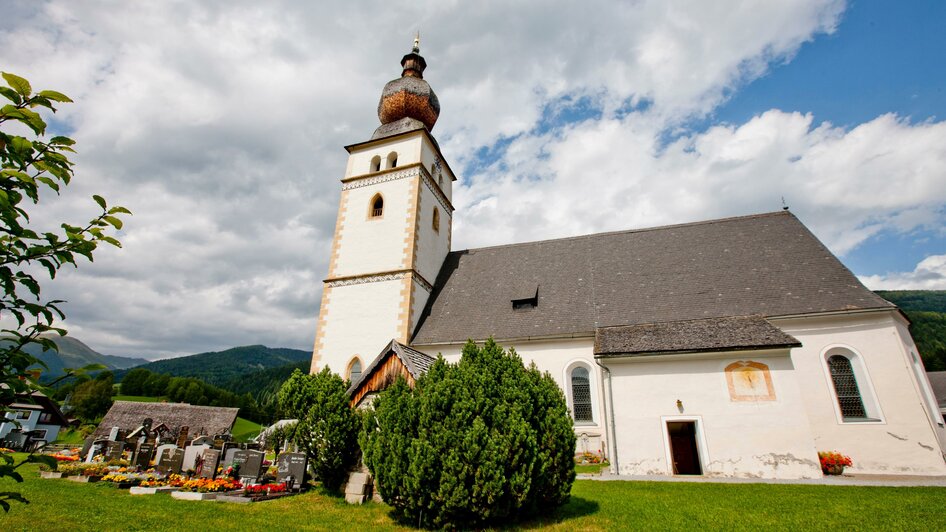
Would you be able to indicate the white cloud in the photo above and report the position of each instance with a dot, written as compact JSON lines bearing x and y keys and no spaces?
{"x":929,"y":274}
{"x":220,"y":124}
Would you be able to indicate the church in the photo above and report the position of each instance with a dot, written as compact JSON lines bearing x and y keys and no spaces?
{"x":738,"y":347}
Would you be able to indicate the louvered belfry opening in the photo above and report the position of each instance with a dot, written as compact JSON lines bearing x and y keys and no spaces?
{"x":845,"y":387}
{"x":581,"y":395}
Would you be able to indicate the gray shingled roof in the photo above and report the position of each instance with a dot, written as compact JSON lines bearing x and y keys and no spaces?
{"x":709,"y":334}
{"x":205,"y":420}
{"x":416,"y":362}
{"x":938,"y":383}
{"x":766,"y":264}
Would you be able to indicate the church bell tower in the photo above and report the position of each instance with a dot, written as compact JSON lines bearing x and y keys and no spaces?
{"x":393,"y":229}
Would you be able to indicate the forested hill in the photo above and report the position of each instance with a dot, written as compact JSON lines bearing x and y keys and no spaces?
{"x":73,"y":353}
{"x":221,"y":367}
{"x":927,"y":312}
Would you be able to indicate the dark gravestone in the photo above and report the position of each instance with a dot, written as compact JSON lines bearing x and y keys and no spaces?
{"x":174,"y":461}
{"x":290,"y":468}
{"x":114,"y":450}
{"x":239,"y":460}
{"x":142,"y":457}
{"x":227,"y":452}
{"x":182,"y":437}
{"x":209,"y":467}
{"x":252,"y":466}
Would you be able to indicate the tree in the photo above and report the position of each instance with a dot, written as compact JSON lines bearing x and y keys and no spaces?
{"x":30,"y":165}
{"x":92,"y":399}
{"x":474,"y":444}
{"x":133,"y":383}
{"x":327,"y":430}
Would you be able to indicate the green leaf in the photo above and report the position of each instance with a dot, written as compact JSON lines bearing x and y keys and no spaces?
{"x":11,"y":95}
{"x":61,"y":141}
{"x":100,"y":200}
{"x":19,"y":84}
{"x":55,"y":96}
{"x":122,"y":210}
{"x":114,"y":221}
{"x":112,"y":241}
{"x":49,"y":182}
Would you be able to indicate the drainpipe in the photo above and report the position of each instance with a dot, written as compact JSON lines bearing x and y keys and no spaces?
{"x":609,"y":407}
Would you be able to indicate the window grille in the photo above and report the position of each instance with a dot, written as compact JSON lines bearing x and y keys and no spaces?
{"x":845,"y":387}
{"x":377,"y":207}
{"x":581,"y":395}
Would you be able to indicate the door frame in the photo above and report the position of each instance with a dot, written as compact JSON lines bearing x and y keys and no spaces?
{"x":701,"y":448}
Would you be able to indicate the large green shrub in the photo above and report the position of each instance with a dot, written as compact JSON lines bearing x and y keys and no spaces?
{"x":475,"y":443}
{"x":328,"y":428}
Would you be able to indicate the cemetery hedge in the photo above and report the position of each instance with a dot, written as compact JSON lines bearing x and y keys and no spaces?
{"x":593,"y":505}
{"x":480,"y":442}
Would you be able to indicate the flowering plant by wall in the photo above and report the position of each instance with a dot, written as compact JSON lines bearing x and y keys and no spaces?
{"x":260,"y":489}
{"x":833,"y":462}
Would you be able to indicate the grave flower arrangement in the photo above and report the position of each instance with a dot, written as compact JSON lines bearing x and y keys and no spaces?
{"x":833,"y":462}
{"x":206,"y":485}
{"x":79,"y":468}
{"x":65,"y":457}
{"x":262,"y":489}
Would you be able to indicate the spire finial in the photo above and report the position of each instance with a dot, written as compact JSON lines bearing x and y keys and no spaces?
{"x":416,"y":48}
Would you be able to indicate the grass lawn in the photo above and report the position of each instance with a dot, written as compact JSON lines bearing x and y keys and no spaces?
{"x":138,"y":398}
{"x":65,"y":505}
{"x":245,"y":430}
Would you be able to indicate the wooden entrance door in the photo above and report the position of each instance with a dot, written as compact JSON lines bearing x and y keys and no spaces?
{"x":683,"y":449}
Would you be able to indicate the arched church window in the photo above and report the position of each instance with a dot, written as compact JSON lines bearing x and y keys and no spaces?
{"x":581,"y":395}
{"x":376,"y":163}
{"x":392,"y":159}
{"x":377,"y":206}
{"x":845,"y":388}
{"x":354,"y":370}
{"x":436,"y":221}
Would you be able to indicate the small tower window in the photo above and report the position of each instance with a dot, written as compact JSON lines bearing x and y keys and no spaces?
{"x":392,"y":159}
{"x":440,"y":180}
{"x":376,"y":163}
{"x":377,"y":206}
{"x":436,"y":222}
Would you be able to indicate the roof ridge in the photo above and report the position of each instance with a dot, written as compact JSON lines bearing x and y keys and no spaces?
{"x":637,"y":230}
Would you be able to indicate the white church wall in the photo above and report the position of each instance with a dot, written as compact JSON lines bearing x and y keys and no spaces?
{"x":764,"y":438}
{"x":432,"y":245}
{"x":903,"y":439}
{"x":429,"y":157}
{"x":557,"y":357}
{"x":372,"y":245}
{"x":349,"y":308}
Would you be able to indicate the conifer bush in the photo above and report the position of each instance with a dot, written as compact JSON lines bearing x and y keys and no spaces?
{"x":327,"y":430}
{"x":475,"y":443}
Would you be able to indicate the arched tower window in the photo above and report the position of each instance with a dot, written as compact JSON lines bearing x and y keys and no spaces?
{"x":436,"y":221}
{"x":581,"y":395}
{"x":392,"y":159}
{"x":376,"y":163}
{"x":377,"y":206}
{"x":354,"y":369}
{"x":845,"y":388}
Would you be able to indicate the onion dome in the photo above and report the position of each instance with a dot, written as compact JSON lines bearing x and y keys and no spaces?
{"x":408,"y":103}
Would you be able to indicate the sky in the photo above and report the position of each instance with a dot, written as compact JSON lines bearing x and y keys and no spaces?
{"x":221,"y":125}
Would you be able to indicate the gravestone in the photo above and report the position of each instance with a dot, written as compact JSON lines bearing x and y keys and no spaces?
{"x":98,"y":447}
{"x":252,"y":467}
{"x":161,"y":453}
{"x":182,"y":437}
{"x":203,"y":440}
{"x":191,"y":454}
{"x":113,"y":434}
{"x":114,"y":450}
{"x":238,"y":459}
{"x":142,"y":456}
{"x":174,"y":461}
{"x":209,"y":467}
{"x":290,"y":468}
{"x":228,"y":456}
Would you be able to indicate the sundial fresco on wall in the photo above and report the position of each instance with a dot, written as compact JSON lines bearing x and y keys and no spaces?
{"x":749,"y":381}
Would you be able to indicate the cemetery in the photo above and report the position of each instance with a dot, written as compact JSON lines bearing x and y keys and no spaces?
{"x":148,"y":457}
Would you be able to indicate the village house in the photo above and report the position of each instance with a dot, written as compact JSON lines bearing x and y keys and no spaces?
{"x":735,"y":347}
